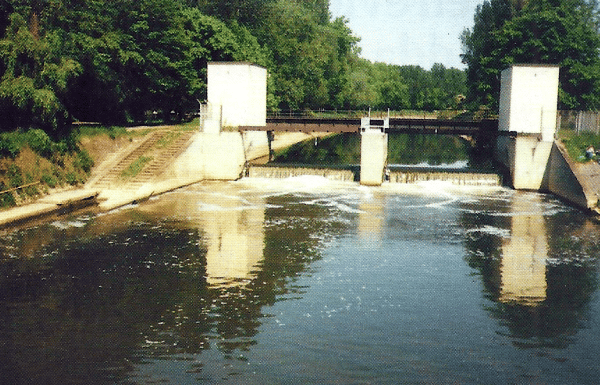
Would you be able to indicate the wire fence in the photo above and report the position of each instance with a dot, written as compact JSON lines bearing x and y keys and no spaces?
{"x":579,"y":121}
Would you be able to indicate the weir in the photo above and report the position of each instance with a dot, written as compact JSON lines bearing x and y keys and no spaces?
{"x":398,"y":175}
{"x":456,"y":178}
{"x":236,"y":132}
{"x":344,"y":174}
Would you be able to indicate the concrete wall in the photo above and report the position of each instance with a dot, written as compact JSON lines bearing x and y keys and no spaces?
{"x":528,"y":100}
{"x":562,"y":180}
{"x":527,"y":159}
{"x":220,"y":156}
{"x":237,"y":95}
{"x":238,"y":91}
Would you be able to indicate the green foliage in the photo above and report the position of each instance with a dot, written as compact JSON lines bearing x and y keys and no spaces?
{"x":7,"y":199}
{"x":71,"y":178}
{"x":560,"y":32}
{"x":115,"y":61}
{"x":382,"y":86}
{"x":49,"y":179}
{"x":34,"y":76}
{"x":14,"y":175}
{"x":84,"y":161}
{"x":39,"y":142}
{"x":402,"y":149}
{"x":11,"y":144}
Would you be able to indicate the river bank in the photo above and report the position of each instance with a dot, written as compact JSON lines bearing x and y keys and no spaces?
{"x":107,"y":152}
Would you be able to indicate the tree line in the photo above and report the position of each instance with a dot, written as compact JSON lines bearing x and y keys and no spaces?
{"x":125,"y":61}
{"x":114,"y":61}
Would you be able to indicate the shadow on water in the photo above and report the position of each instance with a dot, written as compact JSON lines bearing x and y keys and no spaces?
{"x":92,"y":300}
{"x":539,"y":275}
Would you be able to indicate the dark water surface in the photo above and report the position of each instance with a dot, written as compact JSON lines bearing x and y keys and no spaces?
{"x":305,"y":281}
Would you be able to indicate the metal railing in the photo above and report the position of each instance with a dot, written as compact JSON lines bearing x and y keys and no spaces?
{"x":353,"y":114}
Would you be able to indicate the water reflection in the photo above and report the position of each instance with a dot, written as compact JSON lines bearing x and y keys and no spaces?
{"x":344,"y":149}
{"x":371,"y":220}
{"x":232,"y":231}
{"x":524,"y":255}
{"x":228,"y":282}
{"x":539,"y":279}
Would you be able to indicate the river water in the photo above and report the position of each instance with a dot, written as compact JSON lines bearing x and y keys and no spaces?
{"x":305,"y":281}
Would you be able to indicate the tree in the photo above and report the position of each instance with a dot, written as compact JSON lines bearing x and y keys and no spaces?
{"x":559,"y":32}
{"x":35,"y":79}
{"x":309,"y":54}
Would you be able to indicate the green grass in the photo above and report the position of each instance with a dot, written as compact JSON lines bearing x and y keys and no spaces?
{"x":169,"y":138}
{"x":576,"y":143}
{"x":193,"y":124}
{"x":135,"y":167}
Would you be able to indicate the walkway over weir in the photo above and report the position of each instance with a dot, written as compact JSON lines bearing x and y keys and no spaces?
{"x":396,"y":125}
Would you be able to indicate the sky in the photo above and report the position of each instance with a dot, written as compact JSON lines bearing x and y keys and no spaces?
{"x":404,"y":32}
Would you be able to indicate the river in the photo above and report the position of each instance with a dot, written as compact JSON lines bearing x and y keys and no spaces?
{"x":305,"y":281}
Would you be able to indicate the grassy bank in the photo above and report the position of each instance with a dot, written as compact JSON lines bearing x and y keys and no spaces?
{"x":577,"y":143}
{"x":31,"y":164}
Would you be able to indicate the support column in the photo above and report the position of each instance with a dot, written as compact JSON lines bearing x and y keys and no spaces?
{"x":373,"y":151}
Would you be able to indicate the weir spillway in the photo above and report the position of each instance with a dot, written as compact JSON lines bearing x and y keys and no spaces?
{"x":404,"y":175}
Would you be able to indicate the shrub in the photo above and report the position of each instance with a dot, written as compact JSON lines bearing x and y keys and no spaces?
{"x":10,"y":144}
{"x":84,"y":161}
{"x":49,"y":179}
{"x":7,"y":199}
{"x":71,"y":178}
{"x":40,"y":142}
{"x":15,"y":177}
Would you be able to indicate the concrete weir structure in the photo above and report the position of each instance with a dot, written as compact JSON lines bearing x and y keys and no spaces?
{"x":528,"y":103}
{"x":236,"y":96}
{"x":535,"y":160}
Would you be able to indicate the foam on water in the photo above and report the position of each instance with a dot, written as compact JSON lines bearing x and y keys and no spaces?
{"x":459,"y":164}
{"x":63,"y":225}
{"x":334,"y":203}
{"x":492,"y":230}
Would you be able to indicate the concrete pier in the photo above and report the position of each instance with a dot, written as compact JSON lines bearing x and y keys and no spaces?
{"x":373,"y":151}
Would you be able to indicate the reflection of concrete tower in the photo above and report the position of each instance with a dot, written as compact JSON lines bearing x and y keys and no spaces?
{"x":371,"y":221}
{"x":235,"y":240}
{"x":524,"y":256}
{"x":232,"y":228}
{"x":233,"y":232}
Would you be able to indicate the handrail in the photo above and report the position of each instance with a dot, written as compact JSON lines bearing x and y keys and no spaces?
{"x":20,"y":187}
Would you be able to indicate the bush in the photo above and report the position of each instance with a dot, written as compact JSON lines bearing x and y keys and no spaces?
{"x":7,"y":199}
{"x":84,"y":161}
{"x":10,"y":144}
{"x":15,"y":177}
{"x":40,"y":142}
{"x":71,"y":178}
{"x":50,"y":180}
